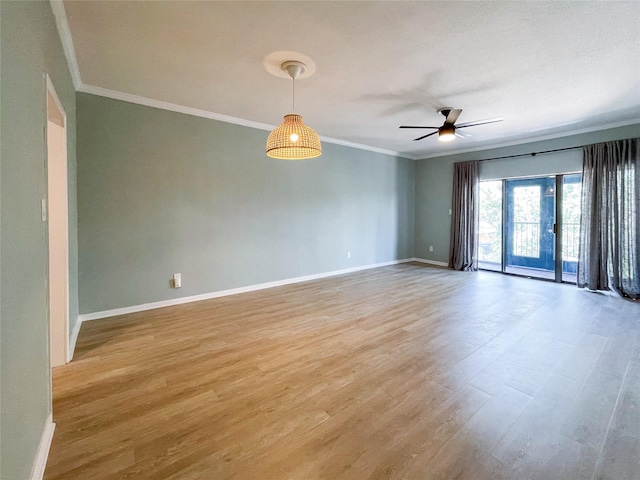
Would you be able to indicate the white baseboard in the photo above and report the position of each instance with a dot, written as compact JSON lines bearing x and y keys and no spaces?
{"x":37,"y":473}
{"x":430,"y":262}
{"x":74,"y":339}
{"x":233,"y":291}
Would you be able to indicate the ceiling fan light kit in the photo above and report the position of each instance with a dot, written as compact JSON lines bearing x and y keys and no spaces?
{"x":449,"y":130}
{"x":293,"y":140}
{"x":446,"y":133}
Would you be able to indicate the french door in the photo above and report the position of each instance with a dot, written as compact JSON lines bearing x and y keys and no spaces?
{"x":530,"y":226}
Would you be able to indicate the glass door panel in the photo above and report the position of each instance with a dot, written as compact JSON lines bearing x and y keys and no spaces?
{"x":490,"y":230}
{"x":529,"y":237}
{"x":571,"y":192}
{"x":517,"y":225}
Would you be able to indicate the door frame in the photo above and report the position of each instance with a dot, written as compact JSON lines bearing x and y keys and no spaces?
{"x":546,"y":241}
{"x":557,"y":225}
{"x":58,"y":339}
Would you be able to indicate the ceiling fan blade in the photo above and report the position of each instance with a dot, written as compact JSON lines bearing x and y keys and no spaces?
{"x":480,"y":122}
{"x":453,"y":115}
{"x":416,"y":126}
{"x":424,"y":136}
{"x":463,"y":134}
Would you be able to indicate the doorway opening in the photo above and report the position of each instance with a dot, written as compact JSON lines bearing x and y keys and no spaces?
{"x":57,"y":228}
{"x":531,"y":226}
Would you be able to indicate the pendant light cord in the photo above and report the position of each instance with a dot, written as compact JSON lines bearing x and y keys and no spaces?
{"x":293,"y":102}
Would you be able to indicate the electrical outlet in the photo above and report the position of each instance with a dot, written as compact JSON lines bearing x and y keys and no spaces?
{"x":431,"y":248}
{"x":449,"y":211}
{"x":348,"y":255}
{"x":177,"y":280}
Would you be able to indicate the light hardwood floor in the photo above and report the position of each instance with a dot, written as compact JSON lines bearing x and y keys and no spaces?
{"x":402,"y":372}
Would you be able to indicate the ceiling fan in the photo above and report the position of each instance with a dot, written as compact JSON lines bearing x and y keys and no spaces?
{"x":449,"y":130}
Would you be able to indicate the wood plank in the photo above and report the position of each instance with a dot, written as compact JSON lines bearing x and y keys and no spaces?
{"x":620,"y":458}
{"x":591,"y":413}
{"x":471,"y":446}
{"x":580,"y":362}
{"x":626,"y":417}
{"x":404,"y":371}
{"x":535,"y":438}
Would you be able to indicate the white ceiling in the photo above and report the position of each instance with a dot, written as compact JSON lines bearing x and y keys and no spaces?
{"x":549,"y":68}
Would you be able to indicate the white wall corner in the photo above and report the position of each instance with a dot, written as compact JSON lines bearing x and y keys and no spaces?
{"x":430,"y":262}
{"x":37,"y":473}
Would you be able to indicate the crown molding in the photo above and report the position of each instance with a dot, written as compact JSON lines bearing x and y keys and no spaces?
{"x":62,"y":24}
{"x":64,"y":32}
{"x":362,"y":146}
{"x":151,"y":102}
{"x":67,"y":44}
{"x":196,"y":112}
{"x":540,"y":138}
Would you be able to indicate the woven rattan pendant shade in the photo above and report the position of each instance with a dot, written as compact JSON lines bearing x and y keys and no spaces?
{"x":281,"y":144}
{"x":293,"y":140}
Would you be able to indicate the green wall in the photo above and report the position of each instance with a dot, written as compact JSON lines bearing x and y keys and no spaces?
{"x":434,"y":181}
{"x":30,"y":48}
{"x":160,"y":192}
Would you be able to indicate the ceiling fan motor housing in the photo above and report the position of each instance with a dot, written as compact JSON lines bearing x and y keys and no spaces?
{"x":447,"y":129}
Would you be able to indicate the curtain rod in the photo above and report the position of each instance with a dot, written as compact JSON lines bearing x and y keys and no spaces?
{"x":532,"y":154}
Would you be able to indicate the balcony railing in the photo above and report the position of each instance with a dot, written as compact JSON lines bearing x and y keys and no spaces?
{"x":570,"y":241}
{"x":526,"y":239}
{"x":526,"y":242}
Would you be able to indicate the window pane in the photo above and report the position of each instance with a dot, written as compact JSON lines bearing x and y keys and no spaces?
{"x":571,"y":191}
{"x":490,"y":231}
{"x":526,"y":221}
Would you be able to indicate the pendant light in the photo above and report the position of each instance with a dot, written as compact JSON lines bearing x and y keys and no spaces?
{"x":293,"y":140}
